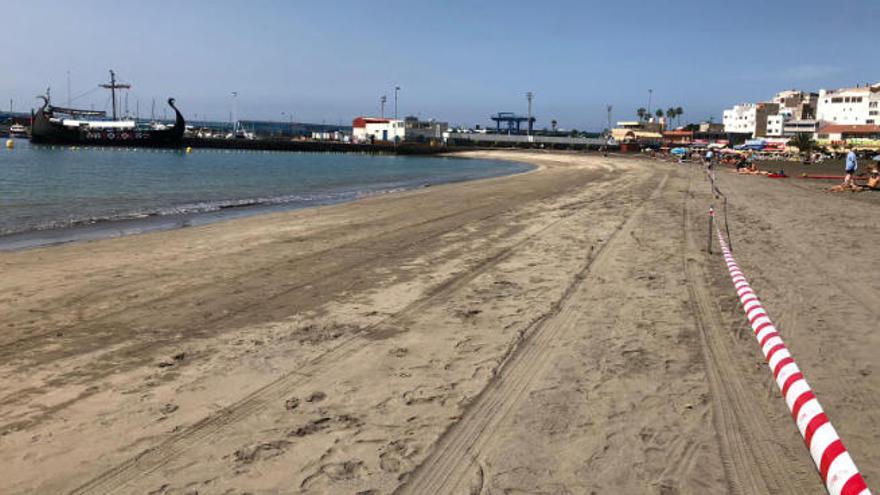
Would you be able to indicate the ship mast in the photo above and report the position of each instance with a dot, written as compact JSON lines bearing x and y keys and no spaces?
{"x":113,"y":87}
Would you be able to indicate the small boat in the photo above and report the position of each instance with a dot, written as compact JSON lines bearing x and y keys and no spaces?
{"x":17,"y":130}
{"x":239,"y":132}
{"x":57,"y":125}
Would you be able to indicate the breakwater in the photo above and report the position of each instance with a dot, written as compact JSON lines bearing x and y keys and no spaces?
{"x":270,"y":144}
{"x":457,"y":142}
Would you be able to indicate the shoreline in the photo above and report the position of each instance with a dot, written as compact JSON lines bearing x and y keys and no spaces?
{"x":411,"y":342}
{"x":108,"y":228}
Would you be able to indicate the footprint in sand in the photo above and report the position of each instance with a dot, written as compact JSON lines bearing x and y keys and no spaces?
{"x":316,"y":397}
{"x":260,"y":452}
{"x":398,"y":352}
{"x":341,"y":471}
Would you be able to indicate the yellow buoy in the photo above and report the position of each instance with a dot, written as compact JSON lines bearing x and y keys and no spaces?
{"x":10,"y":144}
{"x":189,"y":149}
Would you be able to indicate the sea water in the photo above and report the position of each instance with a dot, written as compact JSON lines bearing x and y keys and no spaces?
{"x":45,"y":188}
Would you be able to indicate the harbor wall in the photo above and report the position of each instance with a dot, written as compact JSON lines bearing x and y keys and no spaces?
{"x":314,"y":146}
{"x":523,"y":141}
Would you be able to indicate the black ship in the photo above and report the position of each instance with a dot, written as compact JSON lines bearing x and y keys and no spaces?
{"x":57,"y":125}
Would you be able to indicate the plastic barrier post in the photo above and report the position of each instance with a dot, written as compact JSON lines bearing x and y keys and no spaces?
{"x":711,"y":224}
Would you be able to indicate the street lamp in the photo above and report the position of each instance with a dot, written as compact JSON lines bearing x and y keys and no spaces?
{"x":234,"y":112}
{"x":529,"y":97}
{"x":609,"y":108}
{"x":382,"y":101}
{"x":396,"y":90}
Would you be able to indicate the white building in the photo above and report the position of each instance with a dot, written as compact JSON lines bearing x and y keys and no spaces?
{"x":850,"y":106}
{"x":370,"y":129}
{"x":794,"y":127}
{"x":330,"y":136}
{"x":740,"y":119}
{"x":771,"y":119}
{"x":775,"y":124}
{"x":749,"y":118}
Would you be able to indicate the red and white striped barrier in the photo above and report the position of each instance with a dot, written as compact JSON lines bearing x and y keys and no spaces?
{"x":839,"y":472}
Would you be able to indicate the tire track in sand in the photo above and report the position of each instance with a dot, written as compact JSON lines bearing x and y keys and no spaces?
{"x":453,"y":463}
{"x":122,"y":475}
{"x":753,"y":460}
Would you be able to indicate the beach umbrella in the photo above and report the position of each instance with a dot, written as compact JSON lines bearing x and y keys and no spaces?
{"x":679,"y":151}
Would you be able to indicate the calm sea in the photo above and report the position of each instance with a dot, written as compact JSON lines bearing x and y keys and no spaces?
{"x":48,"y":188}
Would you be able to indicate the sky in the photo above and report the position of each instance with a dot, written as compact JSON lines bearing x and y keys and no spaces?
{"x":457,"y":61}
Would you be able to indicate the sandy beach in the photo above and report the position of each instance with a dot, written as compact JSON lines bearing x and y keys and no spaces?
{"x":557,"y":331}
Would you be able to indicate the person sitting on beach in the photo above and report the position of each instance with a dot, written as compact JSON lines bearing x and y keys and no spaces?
{"x":849,"y":183}
{"x":873,"y":183}
{"x":752,"y":169}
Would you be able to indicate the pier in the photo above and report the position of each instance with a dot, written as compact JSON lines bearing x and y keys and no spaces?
{"x":270,"y":144}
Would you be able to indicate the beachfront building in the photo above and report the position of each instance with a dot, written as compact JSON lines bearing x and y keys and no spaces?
{"x":678,"y":137}
{"x":423,"y":131}
{"x":854,"y":106}
{"x":644,"y":133}
{"x":866,"y":137}
{"x":775,"y":125}
{"x":749,"y":118}
{"x":806,"y":126}
{"x":370,"y":129}
{"x":710,"y":127}
{"x":770,"y":119}
{"x":797,"y":105}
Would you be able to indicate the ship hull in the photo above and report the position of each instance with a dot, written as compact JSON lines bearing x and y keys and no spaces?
{"x":44,"y":131}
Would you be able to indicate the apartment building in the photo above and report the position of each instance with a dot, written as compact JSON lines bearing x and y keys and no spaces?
{"x":749,"y":118}
{"x":850,"y":106}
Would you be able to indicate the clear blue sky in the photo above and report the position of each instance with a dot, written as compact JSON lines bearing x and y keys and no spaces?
{"x":457,"y":60}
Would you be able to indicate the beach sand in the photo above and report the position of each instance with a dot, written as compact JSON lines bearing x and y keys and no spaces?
{"x":558,"y":331}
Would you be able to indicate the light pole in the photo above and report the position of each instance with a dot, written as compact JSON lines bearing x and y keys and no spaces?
{"x":650,"y":93}
{"x":396,"y":90}
{"x":609,"y":108}
{"x":529,"y":97}
{"x":290,"y":125}
{"x":234,"y":112}
{"x":382,"y":100}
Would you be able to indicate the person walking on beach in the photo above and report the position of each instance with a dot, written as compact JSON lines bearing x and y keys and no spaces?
{"x":852,"y":165}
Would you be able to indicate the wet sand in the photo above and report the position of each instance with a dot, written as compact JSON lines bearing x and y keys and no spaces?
{"x":559,"y":331}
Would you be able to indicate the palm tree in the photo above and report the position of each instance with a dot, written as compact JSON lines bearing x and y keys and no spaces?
{"x":678,"y":113}
{"x":803,"y":141}
{"x":553,"y":125}
{"x":670,"y":114}
{"x":641,"y":112}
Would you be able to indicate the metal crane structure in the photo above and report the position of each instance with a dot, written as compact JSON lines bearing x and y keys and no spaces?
{"x":512,"y":122}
